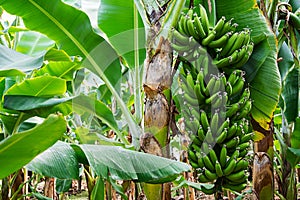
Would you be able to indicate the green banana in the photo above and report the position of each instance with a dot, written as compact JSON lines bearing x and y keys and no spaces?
{"x":179,"y":37}
{"x":217,"y":86}
{"x":227,"y":27}
{"x":221,"y":138}
{"x":210,"y":175}
{"x":204,"y":19}
{"x":223,"y":126}
{"x":204,"y":120}
{"x":241,"y":165}
{"x":203,"y":179}
{"x":181,"y":25}
{"x":208,"y":191}
{"x":191,"y":29}
{"x":212,"y":99}
{"x":195,"y":113}
{"x":220,"y":42}
{"x":210,"y":86}
{"x":193,"y":101}
{"x":200,"y":79}
{"x":232,"y":130}
{"x":233,"y":109}
{"x":238,"y":86}
{"x":246,"y":57}
{"x":246,"y":37}
{"x":223,"y":156}
{"x":237,"y":188}
{"x":220,"y":24}
{"x":209,"y":136}
{"x":228,"y":88}
{"x":238,"y":43}
{"x":228,"y":46}
{"x":233,"y":77}
{"x":229,"y":167}
{"x":224,"y":62}
{"x":236,"y":176}
{"x":208,"y":164}
{"x":201,"y":134}
{"x":199,"y":27}
{"x":194,"y":164}
{"x":244,"y":146}
{"x":219,"y":170}
{"x":192,"y":156}
{"x":209,"y":38}
{"x":214,"y":123}
{"x":213,"y":156}
{"x":245,"y":110}
{"x":232,"y":143}
{"x":198,"y":92}
{"x":246,"y":137}
{"x":200,"y":162}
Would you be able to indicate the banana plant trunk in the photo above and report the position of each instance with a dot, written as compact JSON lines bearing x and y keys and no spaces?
{"x":263,"y":176}
{"x":157,"y":83}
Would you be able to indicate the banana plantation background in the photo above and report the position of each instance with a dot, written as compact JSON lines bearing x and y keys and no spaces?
{"x":165,"y":99}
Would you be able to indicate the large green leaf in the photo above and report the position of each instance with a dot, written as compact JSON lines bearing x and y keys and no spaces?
{"x":53,"y":162}
{"x":40,"y":105}
{"x":19,"y":149}
{"x":33,"y":43}
{"x":262,"y":70}
{"x":45,"y":86}
{"x":295,"y":138}
{"x":122,"y":164}
{"x":66,"y":25}
{"x":13,"y":63}
{"x":61,"y":69}
{"x":290,"y":95}
{"x":125,"y":34}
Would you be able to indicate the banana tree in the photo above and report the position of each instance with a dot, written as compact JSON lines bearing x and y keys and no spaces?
{"x":53,"y":82}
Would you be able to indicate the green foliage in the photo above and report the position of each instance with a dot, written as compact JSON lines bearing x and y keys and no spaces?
{"x":18,"y":149}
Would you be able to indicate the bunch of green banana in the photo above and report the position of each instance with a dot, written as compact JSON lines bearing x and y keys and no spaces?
{"x":193,"y":36}
{"x":216,"y":105}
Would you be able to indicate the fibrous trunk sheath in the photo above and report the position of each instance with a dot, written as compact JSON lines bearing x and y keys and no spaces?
{"x":158,"y":79}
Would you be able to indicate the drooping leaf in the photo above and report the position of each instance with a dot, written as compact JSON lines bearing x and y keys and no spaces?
{"x":290,"y":95}
{"x":43,"y":86}
{"x":98,"y":190}
{"x":58,"y":161}
{"x":262,"y":66}
{"x":61,"y":69}
{"x":125,"y":35}
{"x":33,"y":43}
{"x":62,"y":186}
{"x":40,"y":105}
{"x":19,"y":149}
{"x":64,"y":24}
{"x":122,"y":164}
{"x":287,"y":60}
{"x":295,"y":138}
{"x":54,"y":54}
{"x":13,"y":63}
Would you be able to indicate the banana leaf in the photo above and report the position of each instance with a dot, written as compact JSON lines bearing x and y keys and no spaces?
{"x":13,"y":63}
{"x":262,"y":70}
{"x":43,"y":86}
{"x":127,"y":35}
{"x":58,"y":161}
{"x":19,"y":149}
{"x":122,"y":164}
{"x":41,"y":106}
{"x":33,"y":43}
{"x":107,"y":161}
